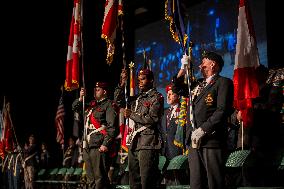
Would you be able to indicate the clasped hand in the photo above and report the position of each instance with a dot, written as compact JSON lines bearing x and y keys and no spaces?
{"x":103,"y":148}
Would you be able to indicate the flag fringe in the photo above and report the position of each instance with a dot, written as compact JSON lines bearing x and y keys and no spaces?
{"x":178,"y":144}
{"x":124,"y":148}
{"x":74,"y":85}
{"x":110,"y":49}
{"x":171,"y":20}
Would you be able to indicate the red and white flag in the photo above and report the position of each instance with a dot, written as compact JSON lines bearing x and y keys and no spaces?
{"x":74,"y":46}
{"x":7,"y":143}
{"x":113,"y":9}
{"x":246,"y":85}
{"x":123,"y":130}
{"x":59,"y":121}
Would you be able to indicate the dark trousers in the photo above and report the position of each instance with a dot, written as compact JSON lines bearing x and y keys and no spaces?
{"x":207,"y":166}
{"x":97,"y":167}
{"x":143,"y":169}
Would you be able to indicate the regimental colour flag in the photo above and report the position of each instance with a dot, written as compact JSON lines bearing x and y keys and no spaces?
{"x":246,"y":61}
{"x":7,"y":143}
{"x":74,"y":46}
{"x":113,"y":9}
{"x":174,"y":16}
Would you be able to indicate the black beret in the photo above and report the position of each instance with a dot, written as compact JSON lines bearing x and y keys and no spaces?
{"x":214,"y":57}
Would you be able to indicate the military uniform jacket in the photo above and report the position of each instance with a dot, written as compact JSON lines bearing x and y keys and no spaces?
{"x":147,"y":110}
{"x":105,"y":113}
{"x":169,"y":128}
{"x":211,"y":108}
{"x":30,"y":155}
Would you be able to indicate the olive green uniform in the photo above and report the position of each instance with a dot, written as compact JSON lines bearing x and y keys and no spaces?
{"x":143,"y":154}
{"x":101,"y":114}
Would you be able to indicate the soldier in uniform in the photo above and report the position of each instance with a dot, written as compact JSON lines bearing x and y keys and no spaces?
{"x":100,"y":122}
{"x":212,"y":105}
{"x":145,"y":139}
{"x":30,"y":162}
{"x":71,"y":154}
{"x":44,"y":161}
{"x":170,"y":122}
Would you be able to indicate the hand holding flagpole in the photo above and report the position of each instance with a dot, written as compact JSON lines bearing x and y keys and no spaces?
{"x":188,"y":69}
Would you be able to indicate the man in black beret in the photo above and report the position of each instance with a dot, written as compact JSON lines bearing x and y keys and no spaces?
{"x":101,"y":124}
{"x":212,"y":104}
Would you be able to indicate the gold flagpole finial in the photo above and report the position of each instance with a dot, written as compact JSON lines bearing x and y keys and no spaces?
{"x":131,"y":65}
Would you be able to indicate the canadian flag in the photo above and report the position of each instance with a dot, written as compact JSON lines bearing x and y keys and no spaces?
{"x":74,"y":47}
{"x":245,"y":81}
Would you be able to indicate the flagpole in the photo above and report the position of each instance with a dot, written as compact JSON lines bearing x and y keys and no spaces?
{"x":123,"y":55}
{"x":83,"y":73}
{"x":62,"y":145}
{"x":242,"y":126}
{"x":126,"y":83}
{"x":189,"y":76}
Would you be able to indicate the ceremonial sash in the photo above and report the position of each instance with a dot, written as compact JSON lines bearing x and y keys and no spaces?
{"x":101,"y":129}
{"x":27,"y":158}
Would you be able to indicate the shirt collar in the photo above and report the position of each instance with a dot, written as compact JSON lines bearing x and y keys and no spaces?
{"x":99,"y":101}
{"x":209,"y":79}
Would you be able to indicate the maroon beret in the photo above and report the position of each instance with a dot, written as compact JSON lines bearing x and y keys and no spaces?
{"x":168,"y":88}
{"x":146,"y":72}
{"x":102,"y":85}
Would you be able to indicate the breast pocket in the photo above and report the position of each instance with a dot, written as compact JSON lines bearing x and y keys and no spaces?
{"x":99,"y":114}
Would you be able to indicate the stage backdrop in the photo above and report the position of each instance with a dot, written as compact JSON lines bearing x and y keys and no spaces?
{"x":212,"y":27}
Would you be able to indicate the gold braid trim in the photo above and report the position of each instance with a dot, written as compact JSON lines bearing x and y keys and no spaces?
{"x":15,"y":166}
{"x":5,"y":161}
{"x":182,"y":120}
{"x":171,"y":20}
{"x":10,"y":162}
{"x":110,"y":54}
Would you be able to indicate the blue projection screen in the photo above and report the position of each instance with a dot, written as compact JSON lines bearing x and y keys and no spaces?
{"x":212,"y":27}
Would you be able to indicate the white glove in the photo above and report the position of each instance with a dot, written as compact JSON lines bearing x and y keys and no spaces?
{"x":196,"y":135}
{"x":80,"y":158}
{"x":184,"y":61}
